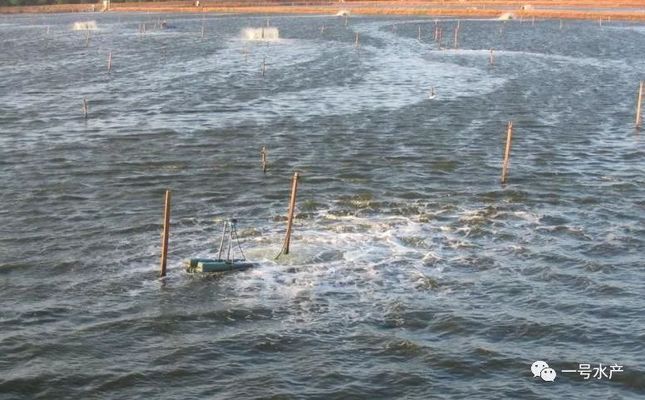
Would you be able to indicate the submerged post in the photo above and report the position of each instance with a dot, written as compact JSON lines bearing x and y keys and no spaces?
{"x":109,"y":62}
{"x":263,"y":159}
{"x":419,"y":34}
{"x":492,"y":57}
{"x":264,"y":66}
{"x":507,"y":152}
{"x":85,"y":107}
{"x":292,"y":206}
{"x":639,"y":106}
{"x":357,"y":42}
{"x":166,"y":230}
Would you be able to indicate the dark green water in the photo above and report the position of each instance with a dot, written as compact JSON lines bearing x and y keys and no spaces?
{"x":413,"y":273}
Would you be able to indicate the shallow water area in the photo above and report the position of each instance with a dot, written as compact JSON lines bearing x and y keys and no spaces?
{"x":413,"y":273}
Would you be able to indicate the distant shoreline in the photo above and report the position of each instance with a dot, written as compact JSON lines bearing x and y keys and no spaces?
{"x":607,"y":10}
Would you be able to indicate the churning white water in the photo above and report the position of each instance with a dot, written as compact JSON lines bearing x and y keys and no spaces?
{"x":84,"y":26}
{"x":264,"y":33}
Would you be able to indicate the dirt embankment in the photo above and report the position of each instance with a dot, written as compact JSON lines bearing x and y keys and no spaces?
{"x":543,"y":9}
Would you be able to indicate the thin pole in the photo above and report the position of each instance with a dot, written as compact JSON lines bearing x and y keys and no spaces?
{"x":457,"y":35}
{"x":292,"y":206}
{"x":85,"y":107}
{"x":221,"y":243}
{"x":419,"y":34}
{"x":230,"y":243}
{"x":166,"y":231}
{"x":263,"y":159}
{"x":264,"y":66}
{"x":109,"y":62}
{"x":507,"y":151}
{"x":492,"y":57}
{"x":639,"y":104}
{"x":357,"y":42}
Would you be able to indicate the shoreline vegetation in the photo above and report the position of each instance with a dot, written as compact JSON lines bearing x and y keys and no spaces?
{"x":604,"y":10}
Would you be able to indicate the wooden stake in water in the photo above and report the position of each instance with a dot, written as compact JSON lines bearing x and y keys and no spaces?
{"x":263,"y":159}
{"x":166,"y":232}
{"x":356,"y":42}
{"x":639,"y":105}
{"x":346,"y":19}
{"x":457,"y":36}
{"x":507,"y":152}
{"x":292,"y":207}
{"x":492,"y":57}
{"x":322,"y":29}
{"x":202,"y":31}
{"x":264,"y":66}
{"x":85,"y":107}
{"x":419,"y":33}
{"x":109,"y":66}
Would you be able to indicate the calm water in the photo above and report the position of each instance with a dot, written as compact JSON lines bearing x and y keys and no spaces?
{"x":413,"y":273}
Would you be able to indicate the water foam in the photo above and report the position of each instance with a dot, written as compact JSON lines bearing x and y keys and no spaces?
{"x":266,"y":34}
{"x":84,"y":26}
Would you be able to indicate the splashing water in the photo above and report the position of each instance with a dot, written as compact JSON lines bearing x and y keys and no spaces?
{"x":267,"y":34}
{"x":84,"y":26}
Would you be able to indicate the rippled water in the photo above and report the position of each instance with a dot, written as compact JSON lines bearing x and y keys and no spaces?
{"x":413,"y":273}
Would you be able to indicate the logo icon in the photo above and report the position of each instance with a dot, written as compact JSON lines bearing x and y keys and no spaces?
{"x":540,"y":369}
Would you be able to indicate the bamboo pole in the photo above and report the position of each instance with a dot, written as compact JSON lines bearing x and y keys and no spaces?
{"x":639,"y":106}
{"x":292,"y":207}
{"x":166,"y":231}
{"x":457,"y":35}
{"x":507,"y":152}
{"x":109,"y":66}
{"x":263,"y":159}
{"x":85,"y":107}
